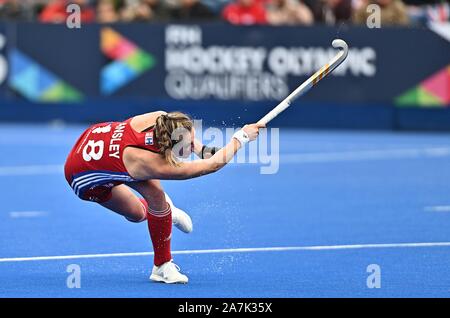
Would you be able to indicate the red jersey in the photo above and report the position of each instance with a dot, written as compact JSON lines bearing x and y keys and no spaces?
{"x":95,"y":164}
{"x":245,"y":15}
{"x":56,"y":12}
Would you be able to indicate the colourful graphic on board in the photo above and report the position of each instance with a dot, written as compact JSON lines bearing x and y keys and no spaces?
{"x":128,"y":61}
{"x":432,"y":92}
{"x":36,"y":83}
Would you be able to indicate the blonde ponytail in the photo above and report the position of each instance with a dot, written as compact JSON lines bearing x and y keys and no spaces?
{"x":166,"y":124}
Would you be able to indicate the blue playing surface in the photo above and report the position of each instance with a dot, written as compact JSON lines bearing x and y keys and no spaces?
{"x":333,"y":189}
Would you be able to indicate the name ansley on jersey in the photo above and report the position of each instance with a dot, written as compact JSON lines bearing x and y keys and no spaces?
{"x":116,"y":138}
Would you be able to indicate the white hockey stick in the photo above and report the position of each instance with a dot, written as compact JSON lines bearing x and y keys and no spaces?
{"x":310,"y":82}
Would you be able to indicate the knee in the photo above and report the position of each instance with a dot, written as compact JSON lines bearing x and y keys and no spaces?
{"x":136,"y":220}
{"x":156,"y":198}
{"x":139,"y":212}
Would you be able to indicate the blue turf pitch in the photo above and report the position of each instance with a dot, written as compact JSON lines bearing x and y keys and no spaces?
{"x":332,"y":188}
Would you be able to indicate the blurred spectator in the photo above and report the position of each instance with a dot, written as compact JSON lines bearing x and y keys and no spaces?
{"x":291,"y":12}
{"x":331,"y":11}
{"x":216,"y":5}
{"x":424,"y":2}
{"x":17,"y":10}
{"x":245,"y":12}
{"x":145,"y":10}
{"x":192,"y":10}
{"x":358,"y":4}
{"x":439,"y":12}
{"x":55,"y":11}
{"x":392,"y":12}
{"x":108,"y":11}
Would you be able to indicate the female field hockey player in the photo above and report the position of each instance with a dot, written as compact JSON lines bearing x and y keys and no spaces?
{"x":110,"y":158}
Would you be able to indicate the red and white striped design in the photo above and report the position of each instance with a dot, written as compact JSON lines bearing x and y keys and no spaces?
{"x":160,"y":214}
{"x":438,"y":13}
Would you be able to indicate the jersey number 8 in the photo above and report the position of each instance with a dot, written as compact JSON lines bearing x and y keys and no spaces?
{"x":95,"y":150}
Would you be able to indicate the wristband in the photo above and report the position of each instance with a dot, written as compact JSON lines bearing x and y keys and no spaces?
{"x":242,"y":137}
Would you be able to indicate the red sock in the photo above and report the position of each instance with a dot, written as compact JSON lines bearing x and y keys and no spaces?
{"x":160,"y":228}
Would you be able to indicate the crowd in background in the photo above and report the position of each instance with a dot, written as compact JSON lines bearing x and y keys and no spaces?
{"x":240,"y":12}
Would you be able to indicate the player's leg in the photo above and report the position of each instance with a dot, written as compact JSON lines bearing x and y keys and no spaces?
{"x":159,"y":220}
{"x":159,"y":216}
{"x":153,"y":188}
{"x":124,"y":202}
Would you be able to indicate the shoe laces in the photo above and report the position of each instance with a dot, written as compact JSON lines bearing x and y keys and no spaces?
{"x":177,"y":267}
{"x":172,"y":265}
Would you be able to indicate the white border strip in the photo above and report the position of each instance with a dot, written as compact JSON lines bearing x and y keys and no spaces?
{"x":437,"y":208}
{"x":31,"y":170}
{"x":363,"y":155}
{"x":297,"y":158}
{"x":232,"y":250}
{"x":27,"y":214}
{"x":441,"y":29}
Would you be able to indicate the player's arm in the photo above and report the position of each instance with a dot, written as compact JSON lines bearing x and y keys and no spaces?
{"x":196,"y":168}
{"x":202,"y":151}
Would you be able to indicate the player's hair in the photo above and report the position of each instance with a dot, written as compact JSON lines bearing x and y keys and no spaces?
{"x":166,"y":124}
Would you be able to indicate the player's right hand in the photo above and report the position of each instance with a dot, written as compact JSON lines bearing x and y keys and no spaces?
{"x":252,"y":130}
